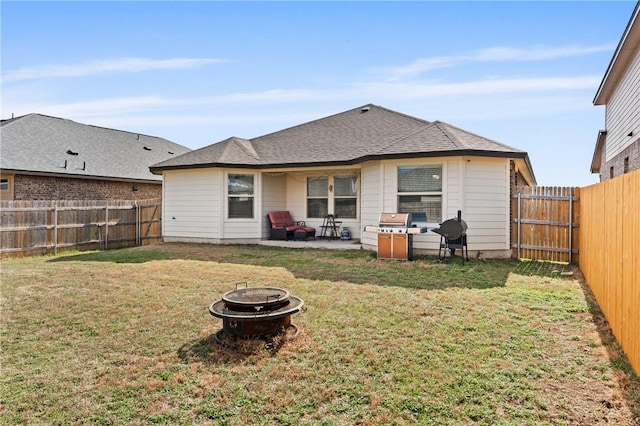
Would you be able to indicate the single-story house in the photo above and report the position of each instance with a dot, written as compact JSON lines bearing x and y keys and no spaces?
{"x":354,"y":165}
{"x":49,"y":158}
{"x":618,"y":146}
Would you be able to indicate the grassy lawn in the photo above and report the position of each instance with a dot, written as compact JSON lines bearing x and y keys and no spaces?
{"x":125,"y":337}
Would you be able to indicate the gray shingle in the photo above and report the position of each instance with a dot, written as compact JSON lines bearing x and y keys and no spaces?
{"x":349,"y":137}
{"x":42,"y":144}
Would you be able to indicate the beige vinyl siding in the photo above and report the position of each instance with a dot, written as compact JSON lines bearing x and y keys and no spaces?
{"x":623,"y":111}
{"x":487,"y":203}
{"x":296,"y":197}
{"x":273,"y":199}
{"x":370,"y":199}
{"x":453,"y":199}
{"x":477,"y":186}
{"x":192,"y":203}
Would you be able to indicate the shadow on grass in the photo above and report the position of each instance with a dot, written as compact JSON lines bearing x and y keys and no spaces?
{"x":208,"y":350}
{"x":353,"y":266}
{"x":532,"y":268}
{"x":120,"y":255}
{"x":627,"y":378}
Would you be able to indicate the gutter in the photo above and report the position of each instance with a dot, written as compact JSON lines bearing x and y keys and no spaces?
{"x":431,"y":154}
{"x":75,"y":176}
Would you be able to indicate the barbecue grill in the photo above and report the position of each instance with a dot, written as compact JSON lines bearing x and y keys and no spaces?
{"x":453,"y":235}
{"x":395,"y":235}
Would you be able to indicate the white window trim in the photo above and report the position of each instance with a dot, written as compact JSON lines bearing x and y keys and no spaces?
{"x":331,"y":197}
{"x":439,"y":193}
{"x":226,"y":196}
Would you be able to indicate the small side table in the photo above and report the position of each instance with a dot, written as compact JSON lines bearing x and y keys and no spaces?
{"x":330,"y":227}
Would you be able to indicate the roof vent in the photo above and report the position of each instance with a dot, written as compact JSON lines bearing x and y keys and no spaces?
{"x":146,"y":148}
{"x":170,"y":152}
{"x":71,"y":152}
{"x":365,"y":109}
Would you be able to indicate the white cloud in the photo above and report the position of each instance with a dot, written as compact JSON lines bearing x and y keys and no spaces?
{"x":119,"y":65}
{"x":492,"y":54}
{"x":412,"y":90}
{"x":364,"y":92}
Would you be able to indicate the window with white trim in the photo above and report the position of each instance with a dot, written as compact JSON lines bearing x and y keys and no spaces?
{"x":4,"y":184}
{"x":420,"y":192}
{"x":317,"y":196}
{"x":240,"y":196}
{"x":337,"y":195}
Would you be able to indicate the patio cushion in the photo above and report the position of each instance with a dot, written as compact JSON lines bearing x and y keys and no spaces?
{"x":281,"y":219}
{"x":283,"y":226}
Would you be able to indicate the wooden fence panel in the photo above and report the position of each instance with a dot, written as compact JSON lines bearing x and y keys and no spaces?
{"x":545,"y":223}
{"x":150,"y":221}
{"x":610,"y":255}
{"x":39,"y":227}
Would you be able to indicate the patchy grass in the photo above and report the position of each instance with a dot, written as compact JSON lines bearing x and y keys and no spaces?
{"x":125,"y":337}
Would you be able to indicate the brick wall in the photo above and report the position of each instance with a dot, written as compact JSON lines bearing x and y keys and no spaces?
{"x":632,"y":152}
{"x":58,"y":188}
{"x":516,"y":179}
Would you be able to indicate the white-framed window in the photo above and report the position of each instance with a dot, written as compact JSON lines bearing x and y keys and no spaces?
{"x":337,"y":195}
{"x":420,"y":192}
{"x":240,"y":195}
{"x":4,"y":184}
{"x":317,"y":196}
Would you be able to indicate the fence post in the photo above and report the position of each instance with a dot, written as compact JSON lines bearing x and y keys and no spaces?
{"x":55,"y":228}
{"x":106,"y":227}
{"x":138,"y":239}
{"x":519,"y":206}
{"x":570,"y":224}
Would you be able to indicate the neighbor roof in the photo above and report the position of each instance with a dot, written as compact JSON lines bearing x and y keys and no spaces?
{"x":40,"y":144}
{"x":351,"y":137}
{"x":627,"y":49}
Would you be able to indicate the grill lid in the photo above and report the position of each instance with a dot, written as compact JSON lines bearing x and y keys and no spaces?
{"x":452,"y":229}
{"x":395,"y":219}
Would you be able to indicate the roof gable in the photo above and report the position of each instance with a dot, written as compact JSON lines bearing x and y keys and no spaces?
{"x":37,"y":143}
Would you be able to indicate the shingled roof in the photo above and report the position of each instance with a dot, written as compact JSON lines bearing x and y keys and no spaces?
{"x":351,"y":137}
{"x":41,"y":144}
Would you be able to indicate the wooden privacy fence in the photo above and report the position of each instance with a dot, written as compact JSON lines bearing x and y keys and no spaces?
{"x":545,"y":223}
{"x":610,"y":255}
{"x":39,"y":227}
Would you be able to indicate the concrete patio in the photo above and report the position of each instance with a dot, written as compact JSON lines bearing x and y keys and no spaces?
{"x":318,"y":243}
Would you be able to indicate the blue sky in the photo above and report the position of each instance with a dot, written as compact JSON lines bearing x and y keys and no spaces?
{"x":522,"y":73}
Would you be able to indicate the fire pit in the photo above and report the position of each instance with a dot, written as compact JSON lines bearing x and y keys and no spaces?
{"x":256,"y":311}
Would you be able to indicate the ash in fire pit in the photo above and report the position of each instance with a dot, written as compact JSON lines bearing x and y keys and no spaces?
{"x":256,"y":312}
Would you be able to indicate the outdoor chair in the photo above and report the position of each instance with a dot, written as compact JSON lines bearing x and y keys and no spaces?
{"x":283,"y":227}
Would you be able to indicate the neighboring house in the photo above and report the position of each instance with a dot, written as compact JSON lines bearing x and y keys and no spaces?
{"x":618,"y":146}
{"x":49,"y":158}
{"x":355,"y":165}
